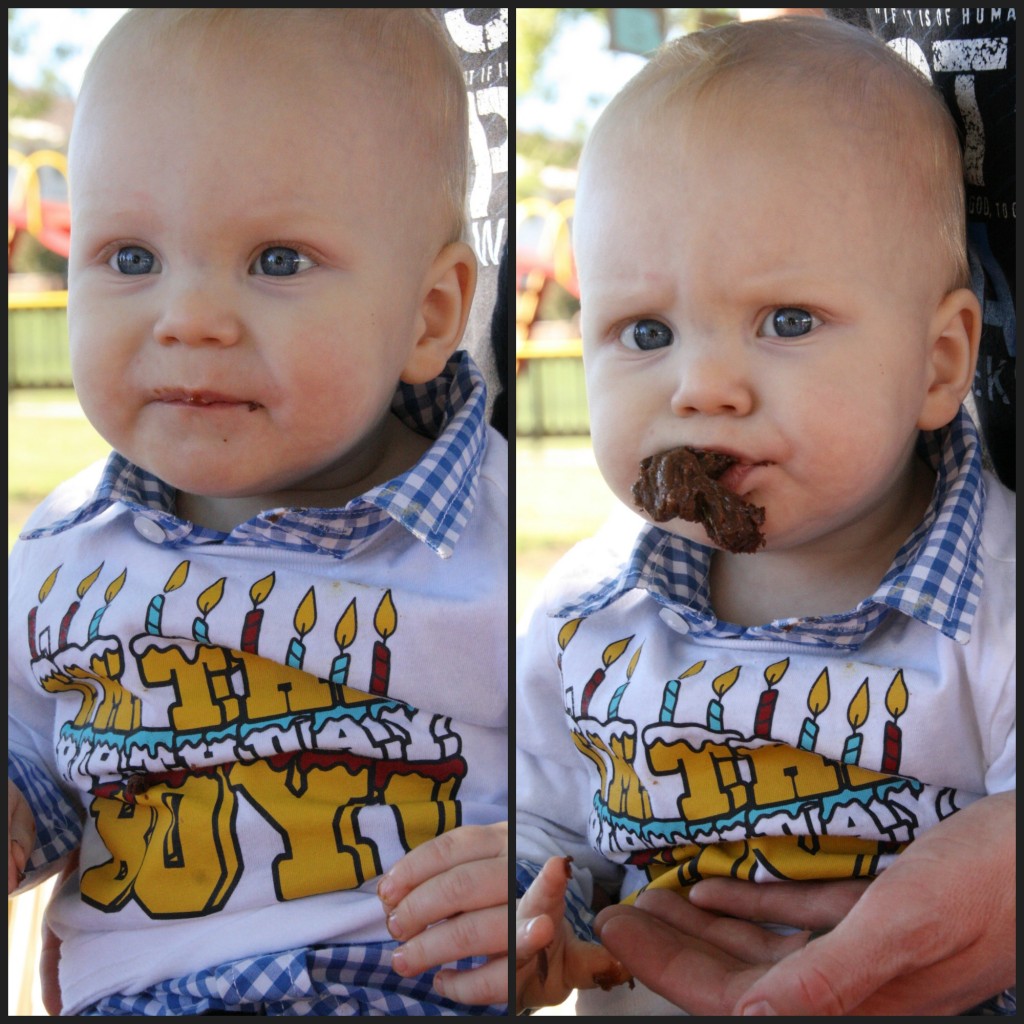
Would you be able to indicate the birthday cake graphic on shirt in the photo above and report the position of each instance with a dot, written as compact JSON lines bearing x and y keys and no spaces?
{"x":714,"y":773}
{"x":170,"y":734}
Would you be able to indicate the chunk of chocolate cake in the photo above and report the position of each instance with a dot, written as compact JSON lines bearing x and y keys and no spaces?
{"x":683,"y":483}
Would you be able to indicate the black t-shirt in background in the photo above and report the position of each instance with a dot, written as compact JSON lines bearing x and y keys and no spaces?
{"x":480,"y":35}
{"x":970,"y":54}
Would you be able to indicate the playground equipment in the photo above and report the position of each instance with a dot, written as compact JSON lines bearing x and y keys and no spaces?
{"x":550,"y":394}
{"x":37,"y":200}
{"x":543,"y":255}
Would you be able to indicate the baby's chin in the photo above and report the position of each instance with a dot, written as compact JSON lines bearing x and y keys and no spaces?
{"x":696,"y":534}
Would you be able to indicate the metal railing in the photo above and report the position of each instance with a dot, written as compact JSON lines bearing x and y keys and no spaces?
{"x":551,"y":395}
{"x":37,"y":340}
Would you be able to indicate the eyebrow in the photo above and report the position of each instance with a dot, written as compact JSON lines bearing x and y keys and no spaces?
{"x":654,"y":288}
{"x":293,"y":213}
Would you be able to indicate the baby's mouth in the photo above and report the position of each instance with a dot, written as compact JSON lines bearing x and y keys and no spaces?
{"x":200,"y":399}
{"x":712,"y":464}
{"x":697,"y":485}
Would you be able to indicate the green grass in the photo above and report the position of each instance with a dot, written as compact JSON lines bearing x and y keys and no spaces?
{"x":49,"y":440}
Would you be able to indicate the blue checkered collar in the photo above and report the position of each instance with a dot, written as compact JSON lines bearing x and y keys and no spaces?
{"x":936,"y":576}
{"x":433,"y":500}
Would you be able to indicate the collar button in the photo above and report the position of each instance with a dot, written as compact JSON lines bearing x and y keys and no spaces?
{"x":149,"y":529}
{"x":674,"y":621}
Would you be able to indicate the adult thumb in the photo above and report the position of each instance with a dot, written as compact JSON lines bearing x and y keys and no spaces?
{"x":829,"y":977}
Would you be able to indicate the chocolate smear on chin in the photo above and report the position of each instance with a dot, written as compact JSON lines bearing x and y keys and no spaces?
{"x":682,"y":483}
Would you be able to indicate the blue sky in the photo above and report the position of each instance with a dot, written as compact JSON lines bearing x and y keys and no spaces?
{"x":48,"y":27}
{"x":579,"y":67}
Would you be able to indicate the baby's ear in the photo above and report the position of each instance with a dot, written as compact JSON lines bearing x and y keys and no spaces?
{"x":955,"y":333}
{"x":448,"y":294}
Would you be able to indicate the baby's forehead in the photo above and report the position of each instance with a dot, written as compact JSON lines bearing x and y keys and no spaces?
{"x":403,"y":52}
{"x":733,"y":101}
{"x":288,"y":92}
{"x":841,"y":73}
{"x":247,"y":42}
{"x":882,"y":130}
{"x":316,"y":77}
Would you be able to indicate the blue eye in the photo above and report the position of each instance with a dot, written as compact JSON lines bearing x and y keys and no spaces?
{"x":788,"y":322}
{"x":134,"y":260}
{"x":280,"y":261}
{"x":646,"y":335}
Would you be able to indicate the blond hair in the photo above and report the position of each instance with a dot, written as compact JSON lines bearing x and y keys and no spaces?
{"x":417,"y":60}
{"x":846,"y":70}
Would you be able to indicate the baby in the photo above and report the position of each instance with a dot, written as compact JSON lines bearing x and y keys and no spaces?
{"x":769,"y":234}
{"x":262,"y":654}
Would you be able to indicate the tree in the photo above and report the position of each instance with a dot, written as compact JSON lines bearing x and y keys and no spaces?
{"x":537,"y":28}
{"x":38,"y":98}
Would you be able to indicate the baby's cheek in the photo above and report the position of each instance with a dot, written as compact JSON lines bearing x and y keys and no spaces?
{"x":619,"y":465}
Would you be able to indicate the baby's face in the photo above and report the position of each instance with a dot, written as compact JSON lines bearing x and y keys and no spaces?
{"x":245,"y":274}
{"x":755,"y":289}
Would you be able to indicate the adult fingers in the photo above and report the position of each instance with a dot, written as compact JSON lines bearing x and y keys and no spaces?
{"x":746,"y":941}
{"x":835,"y":974}
{"x":698,"y":978}
{"x":938,"y":925}
{"x":813,"y":905}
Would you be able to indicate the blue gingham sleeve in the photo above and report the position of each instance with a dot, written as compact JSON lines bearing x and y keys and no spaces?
{"x":58,"y":828}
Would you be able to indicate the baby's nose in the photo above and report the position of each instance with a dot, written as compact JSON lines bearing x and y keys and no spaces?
{"x":711,"y":379}
{"x":198,"y":311}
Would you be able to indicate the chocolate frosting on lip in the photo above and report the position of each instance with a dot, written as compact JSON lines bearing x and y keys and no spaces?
{"x":682,"y":483}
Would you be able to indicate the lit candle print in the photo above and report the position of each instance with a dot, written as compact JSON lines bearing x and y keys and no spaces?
{"x":81,"y":590}
{"x":109,"y":594}
{"x":206,"y":602}
{"x":766,"y":702}
{"x":565,"y":634}
{"x":613,"y":704}
{"x":668,"y":701}
{"x":721,"y":685}
{"x":385,"y":622}
{"x":817,"y":701}
{"x":344,"y":634}
{"x":896,"y":700}
{"x":44,"y":593}
{"x":611,"y":654}
{"x":671,"y":692}
{"x":856,"y":715}
{"x":258,"y":593}
{"x":304,"y":621}
{"x":155,"y":611}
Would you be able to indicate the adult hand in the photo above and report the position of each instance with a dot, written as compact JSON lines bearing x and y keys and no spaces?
{"x":933,"y":935}
{"x":448,"y":899}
